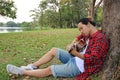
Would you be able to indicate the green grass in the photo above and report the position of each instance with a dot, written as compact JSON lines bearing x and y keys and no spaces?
{"x":26,"y":47}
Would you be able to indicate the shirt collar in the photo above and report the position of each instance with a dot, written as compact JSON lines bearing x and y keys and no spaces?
{"x":95,"y":34}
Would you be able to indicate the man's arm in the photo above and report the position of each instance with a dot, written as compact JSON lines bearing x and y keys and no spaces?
{"x":75,"y":53}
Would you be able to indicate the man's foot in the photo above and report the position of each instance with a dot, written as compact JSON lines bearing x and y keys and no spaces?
{"x":14,"y":69}
{"x":29,"y":67}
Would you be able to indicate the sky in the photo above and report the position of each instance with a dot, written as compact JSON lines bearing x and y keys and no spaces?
{"x":23,"y":8}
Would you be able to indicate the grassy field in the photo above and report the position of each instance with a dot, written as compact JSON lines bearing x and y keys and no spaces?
{"x":26,"y":47}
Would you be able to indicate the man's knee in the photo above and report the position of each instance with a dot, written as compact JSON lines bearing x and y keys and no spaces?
{"x":53,"y":51}
{"x":49,"y":69}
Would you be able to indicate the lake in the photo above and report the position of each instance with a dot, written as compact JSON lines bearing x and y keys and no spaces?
{"x":10,"y":29}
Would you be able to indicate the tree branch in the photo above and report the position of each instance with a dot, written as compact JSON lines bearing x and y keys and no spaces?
{"x":96,"y":7}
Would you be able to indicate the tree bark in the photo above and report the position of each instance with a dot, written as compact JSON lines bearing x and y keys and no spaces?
{"x":111,"y":27}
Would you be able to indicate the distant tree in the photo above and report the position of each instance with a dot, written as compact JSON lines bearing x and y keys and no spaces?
{"x":7,"y":8}
{"x":65,"y":12}
{"x":56,"y":5}
{"x":93,"y":6}
{"x":26,"y":25}
{"x":11,"y":24}
{"x":1,"y":24}
{"x":42,"y":6}
{"x":51,"y":20}
{"x":18,"y":24}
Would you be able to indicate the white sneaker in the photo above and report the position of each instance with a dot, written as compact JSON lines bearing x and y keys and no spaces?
{"x":29,"y":67}
{"x":14,"y":69}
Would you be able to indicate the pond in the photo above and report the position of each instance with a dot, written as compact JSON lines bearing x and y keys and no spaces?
{"x":10,"y":29}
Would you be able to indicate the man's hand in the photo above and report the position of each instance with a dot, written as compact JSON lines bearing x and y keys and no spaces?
{"x":68,"y":47}
{"x":75,"y":53}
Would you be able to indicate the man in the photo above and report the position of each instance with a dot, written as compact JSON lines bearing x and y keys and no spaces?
{"x":75,"y":63}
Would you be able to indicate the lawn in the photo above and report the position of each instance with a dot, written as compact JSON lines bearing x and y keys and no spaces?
{"x":26,"y":47}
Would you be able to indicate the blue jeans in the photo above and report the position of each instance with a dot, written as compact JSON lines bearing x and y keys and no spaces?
{"x":68,"y":68}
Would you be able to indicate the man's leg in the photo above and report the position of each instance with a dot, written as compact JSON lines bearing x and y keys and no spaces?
{"x":65,"y":70}
{"x":69,"y":69}
{"x":38,"y":72}
{"x":35,"y":73}
{"x":46,"y":58}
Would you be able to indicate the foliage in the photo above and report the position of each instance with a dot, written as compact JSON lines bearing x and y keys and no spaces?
{"x":26,"y":25}
{"x":99,"y":16}
{"x":7,"y":8}
{"x":11,"y":24}
{"x":60,"y":13}
{"x":2,"y":24}
{"x":63,"y":13}
{"x":50,"y":20}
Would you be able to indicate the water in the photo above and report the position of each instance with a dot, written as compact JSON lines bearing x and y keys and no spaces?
{"x":10,"y":29}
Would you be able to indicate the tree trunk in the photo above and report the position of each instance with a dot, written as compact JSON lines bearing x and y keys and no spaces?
{"x":91,"y":10}
{"x":60,"y":18}
{"x":111,"y":27}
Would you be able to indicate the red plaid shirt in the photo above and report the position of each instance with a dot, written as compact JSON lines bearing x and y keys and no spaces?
{"x":95,"y":54}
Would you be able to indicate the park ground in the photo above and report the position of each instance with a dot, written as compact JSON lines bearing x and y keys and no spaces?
{"x":26,"y":47}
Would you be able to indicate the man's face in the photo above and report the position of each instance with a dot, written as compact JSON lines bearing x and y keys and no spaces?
{"x":84,"y":29}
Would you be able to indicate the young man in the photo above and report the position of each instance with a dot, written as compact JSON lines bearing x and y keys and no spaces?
{"x":75,"y":63}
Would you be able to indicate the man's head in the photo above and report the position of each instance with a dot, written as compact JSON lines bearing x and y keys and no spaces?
{"x":86,"y":26}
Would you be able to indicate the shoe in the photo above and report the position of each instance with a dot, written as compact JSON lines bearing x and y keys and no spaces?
{"x":14,"y":69}
{"x":29,"y":67}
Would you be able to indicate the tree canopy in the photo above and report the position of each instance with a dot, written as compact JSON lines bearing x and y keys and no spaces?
{"x":7,"y":8}
{"x":64,"y":13}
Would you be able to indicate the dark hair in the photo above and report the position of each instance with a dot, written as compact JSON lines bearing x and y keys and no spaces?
{"x":86,"y":20}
